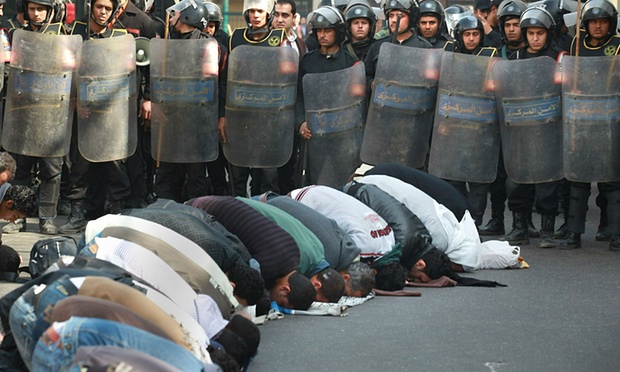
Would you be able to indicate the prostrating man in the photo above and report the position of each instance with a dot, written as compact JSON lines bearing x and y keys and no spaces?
{"x":275,"y":250}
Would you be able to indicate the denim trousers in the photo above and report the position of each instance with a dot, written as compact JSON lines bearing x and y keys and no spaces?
{"x":28,"y":317}
{"x":55,"y":349}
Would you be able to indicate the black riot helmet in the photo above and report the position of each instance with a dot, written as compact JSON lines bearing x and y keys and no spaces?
{"x":408,"y":6}
{"x":464,"y":24}
{"x":329,"y":17}
{"x":596,"y":9}
{"x":214,"y":14}
{"x":360,"y":9}
{"x":338,"y":4}
{"x":48,"y":4}
{"x":557,"y":9}
{"x":509,"y":9}
{"x":537,"y":17}
{"x":433,"y":8}
{"x":192,"y":13}
{"x":453,"y":14}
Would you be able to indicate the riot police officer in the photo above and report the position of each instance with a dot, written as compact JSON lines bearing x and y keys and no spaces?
{"x":402,"y":20}
{"x":599,"y":20}
{"x":537,"y":27}
{"x":361,"y":21}
{"x":469,"y":38}
{"x":328,"y":27}
{"x":509,"y":15}
{"x":431,"y":23}
{"x":40,"y":17}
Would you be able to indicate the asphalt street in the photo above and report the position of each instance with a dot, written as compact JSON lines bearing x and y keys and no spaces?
{"x":561,"y":314}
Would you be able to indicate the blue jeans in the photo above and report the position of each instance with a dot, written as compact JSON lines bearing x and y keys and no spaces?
{"x":28,"y":318}
{"x":55,"y":351}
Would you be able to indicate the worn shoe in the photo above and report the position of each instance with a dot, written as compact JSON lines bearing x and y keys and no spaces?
{"x":47,"y":227}
{"x":494,"y":227}
{"x":561,"y":232}
{"x":532,"y":232}
{"x":546,"y":240}
{"x":14,"y":227}
{"x":573,"y":241}
{"x":602,"y":235}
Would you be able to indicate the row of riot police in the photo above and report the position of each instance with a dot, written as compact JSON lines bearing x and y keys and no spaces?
{"x":75,"y":96}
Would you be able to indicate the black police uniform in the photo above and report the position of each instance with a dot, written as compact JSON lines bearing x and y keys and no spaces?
{"x":172,"y":176}
{"x":372,"y":58}
{"x":241,"y":36}
{"x":609,"y":192}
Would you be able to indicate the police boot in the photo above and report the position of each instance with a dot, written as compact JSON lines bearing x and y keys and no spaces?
{"x":601,"y":233}
{"x":47,"y":227}
{"x":495,"y":226}
{"x":14,"y":227}
{"x":614,"y":243}
{"x":546,"y":232}
{"x":573,"y":241}
{"x":531,"y":229}
{"x":561,"y":232}
{"x":76,"y":222}
{"x":613,"y":222}
{"x":519,"y":234}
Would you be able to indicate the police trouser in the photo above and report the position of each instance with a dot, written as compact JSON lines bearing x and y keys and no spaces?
{"x":217,"y":174}
{"x":134,"y":166}
{"x":106,"y":179}
{"x":578,"y":207}
{"x":476,"y":197}
{"x":171,"y":177}
{"x":49,"y":175}
{"x":521,"y":197}
{"x":498,"y":187}
{"x":240,"y":176}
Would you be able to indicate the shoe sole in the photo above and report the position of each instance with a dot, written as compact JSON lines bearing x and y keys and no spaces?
{"x":569,"y":247}
{"x":491,"y":233}
{"x":518,"y":242}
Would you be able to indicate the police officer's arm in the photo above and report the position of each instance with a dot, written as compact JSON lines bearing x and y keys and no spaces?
{"x":301,"y":126}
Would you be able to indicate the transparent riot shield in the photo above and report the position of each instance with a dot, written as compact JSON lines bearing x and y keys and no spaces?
{"x":466,"y":139}
{"x":400,"y":116}
{"x":591,"y":113}
{"x":530,"y":113}
{"x":335,"y":113}
{"x":260,"y":106}
{"x":39,"y":103}
{"x":184,"y":100}
{"x":107,"y":106}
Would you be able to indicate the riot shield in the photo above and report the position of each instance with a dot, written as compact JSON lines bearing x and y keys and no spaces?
{"x":400,"y":116}
{"x":466,"y":139}
{"x":530,"y":113}
{"x":335,"y":113}
{"x":591,"y":113}
{"x":39,"y":103}
{"x":260,"y":106}
{"x":107,"y":107}
{"x":184,"y":100}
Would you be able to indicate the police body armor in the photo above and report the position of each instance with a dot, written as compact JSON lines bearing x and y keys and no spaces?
{"x":530,"y":113}
{"x":335,"y":113}
{"x":184,"y":100}
{"x":400,"y":115}
{"x":591,"y":113}
{"x":107,"y":106}
{"x":260,"y":106}
{"x":466,"y":139}
{"x":39,"y":103}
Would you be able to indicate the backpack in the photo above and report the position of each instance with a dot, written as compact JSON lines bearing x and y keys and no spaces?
{"x":46,"y":252}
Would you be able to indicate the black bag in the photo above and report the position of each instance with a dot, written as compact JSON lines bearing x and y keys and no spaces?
{"x":46,"y":252}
